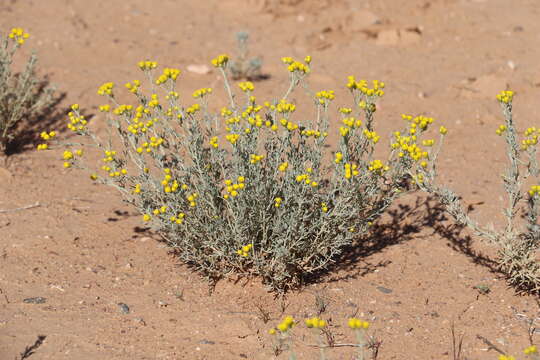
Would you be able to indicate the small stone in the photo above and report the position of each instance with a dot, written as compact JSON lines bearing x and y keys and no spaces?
{"x":384,"y":290}
{"x":140,"y":321}
{"x":206,"y":342}
{"x":35,"y":300}
{"x":200,"y":69}
{"x":162,"y":303}
{"x":124,"y":309}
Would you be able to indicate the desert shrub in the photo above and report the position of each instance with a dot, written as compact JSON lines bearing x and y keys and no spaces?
{"x":22,"y":95}
{"x":245,"y":67}
{"x":250,"y":190}
{"x":517,"y":244}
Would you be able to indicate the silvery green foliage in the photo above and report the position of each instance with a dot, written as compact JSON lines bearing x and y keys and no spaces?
{"x":284,"y":222}
{"x":21,"y":95}
{"x":517,"y":245}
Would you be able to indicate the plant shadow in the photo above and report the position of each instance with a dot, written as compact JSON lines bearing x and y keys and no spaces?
{"x":27,"y":131}
{"x":402,"y":224}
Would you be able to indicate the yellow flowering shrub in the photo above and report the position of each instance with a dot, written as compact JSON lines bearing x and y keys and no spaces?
{"x":22,"y":96}
{"x":517,"y":244}
{"x":249,"y":190}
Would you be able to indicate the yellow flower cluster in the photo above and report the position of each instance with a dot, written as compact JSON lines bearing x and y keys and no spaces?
{"x":324,"y":207}
{"x":133,"y":86}
{"x":76,"y":122}
{"x":505,"y":97}
{"x":355,"y":323}
{"x":137,"y":189}
{"x":254,"y":158}
{"x":178,"y":219}
{"x":277,"y":202}
{"x":147,"y":65}
{"x":46,"y":136}
{"x":351,"y":170}
{"x":283,"y":166}
{"x":220,"y":61}
{"x":225,"y":112}
{"x":153,"y":144}
{"x":109,"y":156}
{"x":530,"y":350}
{"x":193,"y":109}
{"x":371,"y":135}
{"x":443,"y":130}
{"x":232,"y":138}
{"x":324,"y":95}
{"x":154,"y":101}
{"x":506,"y":357}
{"x":255,"y":121}
{"x":306,"y":179}
{"x":18,"y":35}
{"x":428,"y":142}
{"x":284,"y":107}
{"x":106,"y":89}
{"x":232,"y":189}
{"x":246,"y":86}
{"x":137,"y":126}
{"x":338,"y":158}
{"x":535,"y":190}
{"x":315,"y":322}
{"x":200,"y":93}
{"x":289,"y":125}
{"x":123,"y":109}
{"x":214,"y":141}
{"x":344,"y":131}
{"x":244,"y":251}
{"x":192,"y":199}
{"x":69,"y":156}
{"x":420,"y":121}
{"x":377,"y":167}
{"x":315,"y":133}
{"x":362,"y":86}
{"x":105,"y":108}
{"x":352,"y":122}
{"x":168,"y":73}
{"x":161,"y":210}
{"x":532,"y":137}
{"x":285,"y":325}
{"x":172,"y":95}
{"x":296,"y":66}
{"x":169,"y":187}
{"x":345,"y":111}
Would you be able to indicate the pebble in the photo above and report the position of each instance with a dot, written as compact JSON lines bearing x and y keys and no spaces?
{"x":35,"y":300}
{"x":200,"y":69}
{"x":384,"y":290}
{"x":207,"y":342}
{"x":123,"y":308}
{"x":140,"y":321}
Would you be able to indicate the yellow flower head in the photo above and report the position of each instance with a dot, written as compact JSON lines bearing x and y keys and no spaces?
{"x":221,"y":60}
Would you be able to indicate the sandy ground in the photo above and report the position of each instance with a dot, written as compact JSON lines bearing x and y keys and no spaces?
{"x":83,"y":251}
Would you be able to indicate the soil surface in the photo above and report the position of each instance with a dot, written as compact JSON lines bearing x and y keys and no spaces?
{"x":77,"y":267}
